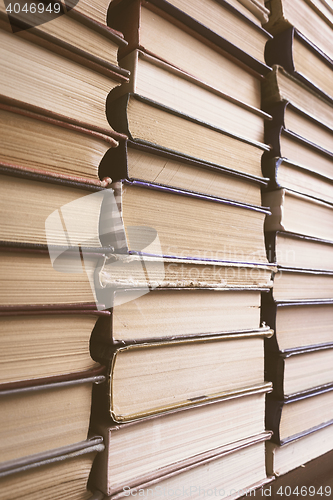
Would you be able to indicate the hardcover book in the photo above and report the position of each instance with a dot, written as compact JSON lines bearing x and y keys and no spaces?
{"x":144,"y":162}
{"x":282,"y":459}
{"x":39,"y":223}
{"x":297,"y":324}
{"x":218,"y":473}
{"x":28,"y":277}
{"x":285,"y":174}
{"x":290,"y":117}
{"x":42,"y":414}
{"x":299,"y":416}
{"x":299,"y":151}
{"x":185,"y":437}
{"x":39,"y":79}
{"x":143,"y":272}
{"x":53,"y":341}
{"x":61,"y":473}
{"x":302,"y":284}
{"x":153,"y":378}
{"x":144,"y":120}
{"x":299,"y":370}
{"x":173,"y":313}
{"x":67,"y":31}
{"x":223,"y":228}
{"x":52,"y":147}
{"x":296,"y":213}
{"x":298,"y":251}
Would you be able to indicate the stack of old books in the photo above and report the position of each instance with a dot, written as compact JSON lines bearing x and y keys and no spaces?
{"x":299,"y":233}
{"x":54,"y":135}
{"x":183,"y":406}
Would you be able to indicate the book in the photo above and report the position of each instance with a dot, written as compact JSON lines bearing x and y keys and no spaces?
{"x":219,"y":473}
{"x":282,"y":459}
{"x":42,"y":414}
{"x":297,"y":251}
{"x":298,"y":416}
{"x":190,"y":51}
{"x":221,"y":229}
{"x":296,"y":371}
{"x":223,"y":20}
{"x":302,"y":59}
{"x":185,"y":437}
{"x":303,"y":16}
{"x":61,"y":473}
{"x":153,"y":78}
{"x":39,"y":223}
{"x":53,"y":341}
{"x":296,"y":213}
{"x":175,"y":313}
{"x":144,"y":120}
{"x":28,"y":277}
{"x":154,"y":377}
{"x":93,"y":280}
{"x":299,"y":151}
{"x":144,"y":162}
{"x":144,"y":273}
{"x":302,"y":284}
{"x":31,"y":71}
{"x":281,"y":86}
{"x":297,"y":324}
{"x":284,"y":173}
{"x":49,"y":146}
{"x":290,"y":117}
{"x":70,"y":33}
{"x":93,"y":219}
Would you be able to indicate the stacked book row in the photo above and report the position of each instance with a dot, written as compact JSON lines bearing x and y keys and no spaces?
{"x":57,"y":70}
{"x":299,"y":232}
{"x":182,"y":409}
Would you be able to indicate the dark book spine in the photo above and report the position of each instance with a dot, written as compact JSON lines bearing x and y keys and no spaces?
{"x":116,"y":112}
{"x":272,"y":138}
{"x":103,"y":328}
{"x":269,"y":168}
{"x":268,"y":313}
{"x":270,"y":242}
{"x":277,"y":112}
{"x":114,"y":163}
{"x":273,"y":417}
{"x":101,"y":351}
{"x":278,"y":50}
{"x":274,"y":372}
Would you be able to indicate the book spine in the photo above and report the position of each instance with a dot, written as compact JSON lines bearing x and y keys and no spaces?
{"x":272,"y":138}
{"x":278,"y":50}
{"x":116,"y":112}
{"x":273,"y":418}
{"x":114,"y":163}
{"x":103,"y":328}
{"x":270,"y":168}
{"x":274,"y":372}
{"x":277,"y":111}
